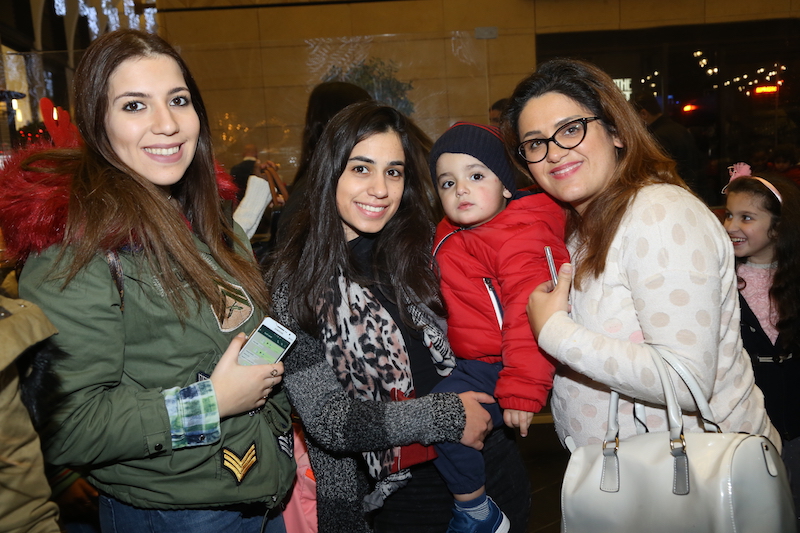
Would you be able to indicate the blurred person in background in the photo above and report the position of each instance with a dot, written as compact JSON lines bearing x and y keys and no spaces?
{"x":496,"y":111}
{"x":325,"y":101}
{"x":675,"y":139}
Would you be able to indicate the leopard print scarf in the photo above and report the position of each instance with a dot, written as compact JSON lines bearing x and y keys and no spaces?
{"x":366,"y":350}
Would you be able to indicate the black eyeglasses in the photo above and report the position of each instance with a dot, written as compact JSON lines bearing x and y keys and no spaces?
{"x":567,"y":137}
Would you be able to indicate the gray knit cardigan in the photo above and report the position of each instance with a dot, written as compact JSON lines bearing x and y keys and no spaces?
{"x":338,"y":428}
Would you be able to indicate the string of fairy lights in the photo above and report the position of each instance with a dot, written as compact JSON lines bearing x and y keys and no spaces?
{"x":762,"y":80}
{"x":110,"y":10}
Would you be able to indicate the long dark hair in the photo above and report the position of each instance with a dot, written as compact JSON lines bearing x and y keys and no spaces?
{"x":640,"y":161}
{"x":315,"y":252}
{"x":785,"y":214}
{"x":111,"y":206}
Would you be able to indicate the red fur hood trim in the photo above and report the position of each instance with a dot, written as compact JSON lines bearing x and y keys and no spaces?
{"x":227,"y":187}
{"x":34,"y":205}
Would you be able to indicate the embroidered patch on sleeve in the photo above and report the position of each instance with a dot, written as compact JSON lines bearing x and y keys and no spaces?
{"x":239,"y":466}
{"x":238,"y":308}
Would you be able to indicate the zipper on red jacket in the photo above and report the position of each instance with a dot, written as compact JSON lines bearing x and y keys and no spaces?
{"x":436,"y":249}
{"x":498,"y":309}
{"x":493,"y":296}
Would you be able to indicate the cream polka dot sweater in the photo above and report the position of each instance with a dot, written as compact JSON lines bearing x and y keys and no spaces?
{"x":669,"y":283}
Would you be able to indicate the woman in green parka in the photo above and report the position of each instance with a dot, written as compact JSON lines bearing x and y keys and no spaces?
{"x":128,"y":250}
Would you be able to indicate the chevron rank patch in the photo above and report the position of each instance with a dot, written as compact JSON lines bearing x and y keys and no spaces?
{"x":239,"y":466}
{"x":286,"y":444}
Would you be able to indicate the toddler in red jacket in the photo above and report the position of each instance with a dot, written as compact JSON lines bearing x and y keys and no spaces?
{"x":490,"y":251}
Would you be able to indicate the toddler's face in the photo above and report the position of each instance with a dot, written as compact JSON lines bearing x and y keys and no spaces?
{"x":471,"y":193}
{"x":748,"y":225}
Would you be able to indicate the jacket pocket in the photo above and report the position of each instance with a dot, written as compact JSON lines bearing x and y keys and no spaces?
{"x":203,"y":369}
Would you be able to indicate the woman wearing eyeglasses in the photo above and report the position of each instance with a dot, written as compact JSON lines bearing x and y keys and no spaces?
{"x":652,"y":266}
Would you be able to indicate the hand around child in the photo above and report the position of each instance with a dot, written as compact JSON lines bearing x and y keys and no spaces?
{"x":241,"y":388}
{"x":479,"y":421}
{"x":78,"y":503}
{"x":546,"y":300}
{"x":518,"y":419}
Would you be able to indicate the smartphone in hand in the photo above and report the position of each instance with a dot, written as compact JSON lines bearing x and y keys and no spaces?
{"x":551,"y":264}
{"x":267,"y":344}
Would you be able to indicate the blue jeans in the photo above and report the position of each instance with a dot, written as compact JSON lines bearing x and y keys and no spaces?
{"x":462,"y":467}
{"x":117,"y":517}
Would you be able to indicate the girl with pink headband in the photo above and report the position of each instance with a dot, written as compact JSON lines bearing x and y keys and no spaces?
{"x":762,"y":217}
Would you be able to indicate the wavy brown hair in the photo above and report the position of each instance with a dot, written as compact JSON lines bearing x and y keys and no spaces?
{"x":785,"y":290}
{"x":640,"y":162}
{"x":112,"y":207}
{"x":315,"y":251}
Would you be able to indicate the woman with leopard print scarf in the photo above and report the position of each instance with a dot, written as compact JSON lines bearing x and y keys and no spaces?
{"x":353,"y":279}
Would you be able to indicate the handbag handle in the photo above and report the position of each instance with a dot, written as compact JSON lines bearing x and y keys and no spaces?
{"x":706,"y":415}
{"x":610,"y":478}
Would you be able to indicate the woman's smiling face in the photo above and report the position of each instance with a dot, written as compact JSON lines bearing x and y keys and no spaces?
{"x":150,"y":122}
{"x":577,"y":175}
{"x":370,"y":189}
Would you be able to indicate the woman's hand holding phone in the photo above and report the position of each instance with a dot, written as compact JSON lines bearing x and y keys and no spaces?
{"x":242,"y":388}
{"x":549,"y":298}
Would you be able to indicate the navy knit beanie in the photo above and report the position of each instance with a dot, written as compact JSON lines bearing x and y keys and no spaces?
{"x":482,"y":142}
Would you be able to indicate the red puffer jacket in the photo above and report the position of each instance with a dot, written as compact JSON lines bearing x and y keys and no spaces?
{"x":504,"y":256}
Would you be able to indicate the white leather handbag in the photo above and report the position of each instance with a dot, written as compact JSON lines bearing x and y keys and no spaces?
{"x":705,"y":482}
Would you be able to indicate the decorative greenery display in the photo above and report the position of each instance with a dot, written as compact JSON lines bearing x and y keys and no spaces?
{"x":377,"y":77}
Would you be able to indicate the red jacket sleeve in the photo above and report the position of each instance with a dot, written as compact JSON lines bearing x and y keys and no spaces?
{"x":527,"y":374}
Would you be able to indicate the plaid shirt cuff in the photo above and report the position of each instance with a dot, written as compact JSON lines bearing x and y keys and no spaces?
{"x":193,"y":415}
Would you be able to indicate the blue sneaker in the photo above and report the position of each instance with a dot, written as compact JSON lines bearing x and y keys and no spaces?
{"x":496,"y":522}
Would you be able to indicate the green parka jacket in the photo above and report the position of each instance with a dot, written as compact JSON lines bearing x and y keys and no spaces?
{"x":113,"y":418}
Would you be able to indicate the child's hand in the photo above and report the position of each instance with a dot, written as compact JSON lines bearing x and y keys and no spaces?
{"x":545,"y":300}
{"x":518,"y":419}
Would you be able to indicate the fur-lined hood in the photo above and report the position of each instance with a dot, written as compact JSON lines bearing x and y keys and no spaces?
{"x":34,"y":205}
